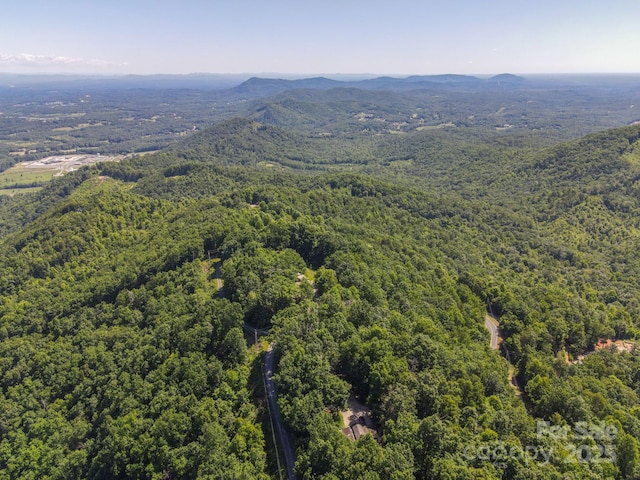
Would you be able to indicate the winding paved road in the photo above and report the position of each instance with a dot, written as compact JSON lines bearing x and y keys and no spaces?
{"x":492,"y":325}
{"x":283,"y":435}
{"x":270,"y":387}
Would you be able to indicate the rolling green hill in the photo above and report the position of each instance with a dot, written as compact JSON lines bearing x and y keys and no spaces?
{"x":372,"y":260}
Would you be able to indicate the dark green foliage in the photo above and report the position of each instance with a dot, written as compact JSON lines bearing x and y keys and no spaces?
{"x":119,"y":357}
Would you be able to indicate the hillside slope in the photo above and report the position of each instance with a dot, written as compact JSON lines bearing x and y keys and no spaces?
{"x":119,"y":357}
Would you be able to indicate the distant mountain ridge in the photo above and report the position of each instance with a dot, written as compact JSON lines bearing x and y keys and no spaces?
{"x":258,"y":86}
{"x":507,"y":78}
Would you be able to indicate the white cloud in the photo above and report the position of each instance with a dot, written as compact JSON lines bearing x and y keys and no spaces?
{"x":27,"y":62}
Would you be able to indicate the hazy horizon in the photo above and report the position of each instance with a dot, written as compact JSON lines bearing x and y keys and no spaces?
{"x":400,"y":38}
{"x":334,"y":75}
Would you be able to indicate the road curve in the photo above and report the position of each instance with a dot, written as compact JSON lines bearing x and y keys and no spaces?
{"x":491,"y":324}
{"x":283,"y":435}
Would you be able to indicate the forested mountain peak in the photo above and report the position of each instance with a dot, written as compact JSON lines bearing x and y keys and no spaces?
{"x":243,"y":141}
{"x":507,"y":78}
{"x":257,"y":86}
{"x":225,"y":129}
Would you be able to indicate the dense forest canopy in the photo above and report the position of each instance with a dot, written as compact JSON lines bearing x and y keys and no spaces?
{"x":366,"y":233}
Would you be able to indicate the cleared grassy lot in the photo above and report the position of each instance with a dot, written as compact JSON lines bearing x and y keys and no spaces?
{"x":17,"y":191}
{"x":30,"y":175}
{"x":23,"y":174}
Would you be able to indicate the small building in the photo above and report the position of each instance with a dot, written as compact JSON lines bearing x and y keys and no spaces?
{"x":347,"y":432}
{"x":359,"y":431}
{"x":359,"y":420}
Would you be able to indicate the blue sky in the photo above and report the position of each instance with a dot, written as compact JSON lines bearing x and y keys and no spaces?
{"x":313,"y":37}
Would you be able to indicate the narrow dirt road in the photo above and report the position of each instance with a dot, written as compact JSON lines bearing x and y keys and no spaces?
{"x":219,"y":279}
